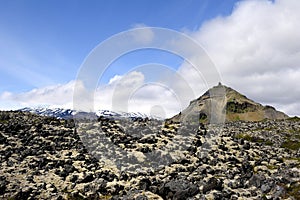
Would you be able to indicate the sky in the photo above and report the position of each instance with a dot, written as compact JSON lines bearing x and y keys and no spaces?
{"x":253,"y":44}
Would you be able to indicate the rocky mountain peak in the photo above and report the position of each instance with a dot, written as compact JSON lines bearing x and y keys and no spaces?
{"x":222,"y":103}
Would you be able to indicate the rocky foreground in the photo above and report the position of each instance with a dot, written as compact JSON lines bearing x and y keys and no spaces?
{"x":44,"y":158}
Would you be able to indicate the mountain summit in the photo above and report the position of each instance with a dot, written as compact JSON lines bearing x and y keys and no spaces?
{"x":222,"y":103}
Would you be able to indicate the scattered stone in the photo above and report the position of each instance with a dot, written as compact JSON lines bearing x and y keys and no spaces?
{"x":45,"y":158}
{"x":212,"y":184}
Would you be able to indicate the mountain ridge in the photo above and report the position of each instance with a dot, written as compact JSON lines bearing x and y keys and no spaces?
{"x":66,"y":113}
{"x":217,"y":105}
{"x":224,"y":104}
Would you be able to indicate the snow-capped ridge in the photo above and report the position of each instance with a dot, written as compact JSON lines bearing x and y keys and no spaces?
{"x":63,"y":113}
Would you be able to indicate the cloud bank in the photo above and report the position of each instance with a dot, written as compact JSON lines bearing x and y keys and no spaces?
{"x":256,"y":49}
{"x":148,"y":98}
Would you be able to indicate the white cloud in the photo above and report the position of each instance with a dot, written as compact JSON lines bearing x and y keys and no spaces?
{"x":115,"y":94}
{"x":128,"y":92}
{"x":257,"y":50}
{"x":57,"y":95}
{"x":142,"y":34}
{"x":131,"y":93}
{"x":114,"y":79}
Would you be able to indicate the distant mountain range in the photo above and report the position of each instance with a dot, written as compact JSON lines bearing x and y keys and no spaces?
{"x":62,"y":113}
{"x":218,"y":104}
{"x":224,"y":103}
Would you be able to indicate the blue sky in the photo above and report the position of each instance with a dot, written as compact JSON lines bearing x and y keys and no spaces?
{"x":45,"y":42}
{"x":254,"y":45}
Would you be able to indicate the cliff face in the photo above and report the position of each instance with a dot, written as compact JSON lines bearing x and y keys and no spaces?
{"x":222,"y":103}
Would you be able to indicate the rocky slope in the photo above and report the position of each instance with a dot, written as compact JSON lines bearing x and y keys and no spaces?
{"x":44,"y":158}
{"x":222,"y":103}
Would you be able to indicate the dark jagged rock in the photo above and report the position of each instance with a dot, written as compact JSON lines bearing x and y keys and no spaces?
{"x":3,"y":183}
{"x":88,"y":178}
{"x":212,"y":184}
{"x":48,"y":158}
{"x":178,"y":190}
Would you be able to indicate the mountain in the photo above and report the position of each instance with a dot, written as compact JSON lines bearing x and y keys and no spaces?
{"x":59,"y":113}
{"x":62,"y":113}
{"x":217,"y":105}
{"x":222,"y":103}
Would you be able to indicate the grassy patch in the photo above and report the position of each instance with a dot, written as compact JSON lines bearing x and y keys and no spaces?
{"x":106,"y":197}
{"x":259,"y":140}
{"x":298,"y":159}
{"x":295,"y":119}
{"x":294,"y":131}
{"x":271,"y":167}
{"x":291,"y":144}
{"x":269,"y":128}
{"x":245,"y":137}
{"x":237,"y":118}
{"x":4,"y":118}
{"x":269,"y":143}
{"x":3,"y":121}
{"x":295,"y":134}
{"x":253,"y":139}
{"x":294,"y":191}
